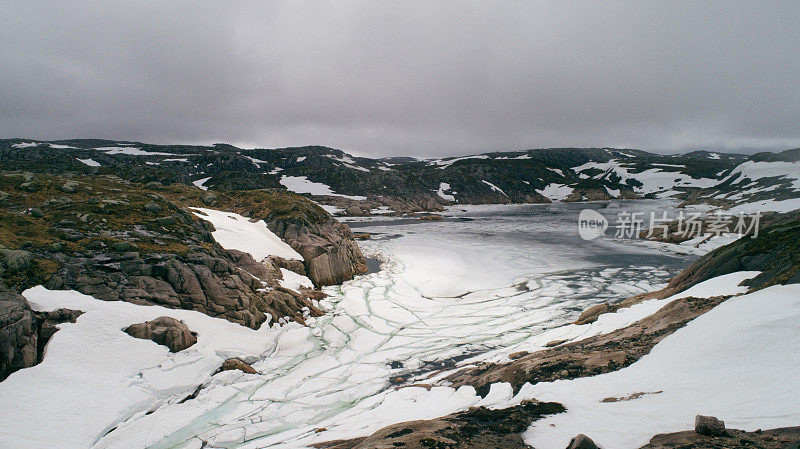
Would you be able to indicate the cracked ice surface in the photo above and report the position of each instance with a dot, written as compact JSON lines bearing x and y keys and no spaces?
{"x":448,"y":291}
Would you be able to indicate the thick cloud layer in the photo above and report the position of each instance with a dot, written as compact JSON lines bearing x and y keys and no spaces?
{"x":405,"y":77}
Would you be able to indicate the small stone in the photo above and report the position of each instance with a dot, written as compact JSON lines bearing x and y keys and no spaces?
{"x":122,"y":247}
{"x":56,"y":247}
{"x":235,"y":363}
{"x":68,"y":188}
{"x":581,"y":442}
{"x":709,"y":425}
{"x":36,"y":213}
{"x":153,"y":207}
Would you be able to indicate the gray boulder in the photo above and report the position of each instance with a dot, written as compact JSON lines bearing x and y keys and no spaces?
{"x":581,"y":442}
{"x":165,"y":331}
{"x":709,"y":425}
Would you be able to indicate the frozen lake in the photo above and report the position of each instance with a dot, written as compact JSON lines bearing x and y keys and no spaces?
{"x":481,"y":284}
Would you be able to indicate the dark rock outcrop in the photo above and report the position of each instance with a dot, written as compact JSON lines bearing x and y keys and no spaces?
{"x":217,"y":282}
{"x":166,"y":331}
{"x":24,"y":333}
{"x":774,"y":253}
{"x":331,"y":255}
{"x":709,"y":425}
{"x":18,"y":336}
{"x":581,"y":441}
{"x":783,"y":438}
{"x":476,"y":428}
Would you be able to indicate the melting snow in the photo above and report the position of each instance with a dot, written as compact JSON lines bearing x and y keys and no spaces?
{"x":234,"y":231}
{"x":132,"y":151}
{"x":737,"y":362}
{"x":556,"y":192}
{"x":199,"y":183}
{"x":443,"y":187}
{"x":25,"y":145}
{"x":294,"y":281}
{"x":90,"y":162}
{"x":301,"y":184}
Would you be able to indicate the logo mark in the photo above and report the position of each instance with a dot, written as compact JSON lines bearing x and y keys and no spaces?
{"x":591,"y":224}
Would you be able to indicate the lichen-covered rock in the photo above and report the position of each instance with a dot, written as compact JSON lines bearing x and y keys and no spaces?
{"x":166,"y":331}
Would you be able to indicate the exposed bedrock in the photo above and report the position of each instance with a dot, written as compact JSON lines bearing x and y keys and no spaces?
{"x":221,"y":283}
{"x":588,"y":357}
{"x":330,"y":252}
{"x":476,"y":428}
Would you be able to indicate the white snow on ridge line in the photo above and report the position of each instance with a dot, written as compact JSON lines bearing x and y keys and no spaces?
{"x":653,"y":180}
{"x":757,"y":170}
{"x":234,"y":231}
{"x":301,"y":184}
{"x":94,"y":376}
{"x":442,"y":163}
{"x":131,"y":151}
{"x":737,"y":362}
{"x":25,"y":145}
{"x":90,"y":162}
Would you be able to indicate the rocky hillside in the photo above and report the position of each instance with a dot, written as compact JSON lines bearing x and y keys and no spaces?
{"x":360,"y":185}
{"x":120,"y":240}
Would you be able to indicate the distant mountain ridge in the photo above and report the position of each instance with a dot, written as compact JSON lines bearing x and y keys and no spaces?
{"x":359,"y":185}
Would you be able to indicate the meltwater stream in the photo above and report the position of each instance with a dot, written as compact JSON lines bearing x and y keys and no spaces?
{"x":477,"y":286}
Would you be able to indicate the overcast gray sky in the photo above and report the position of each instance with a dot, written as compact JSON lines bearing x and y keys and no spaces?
{"x":405,"y":78}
